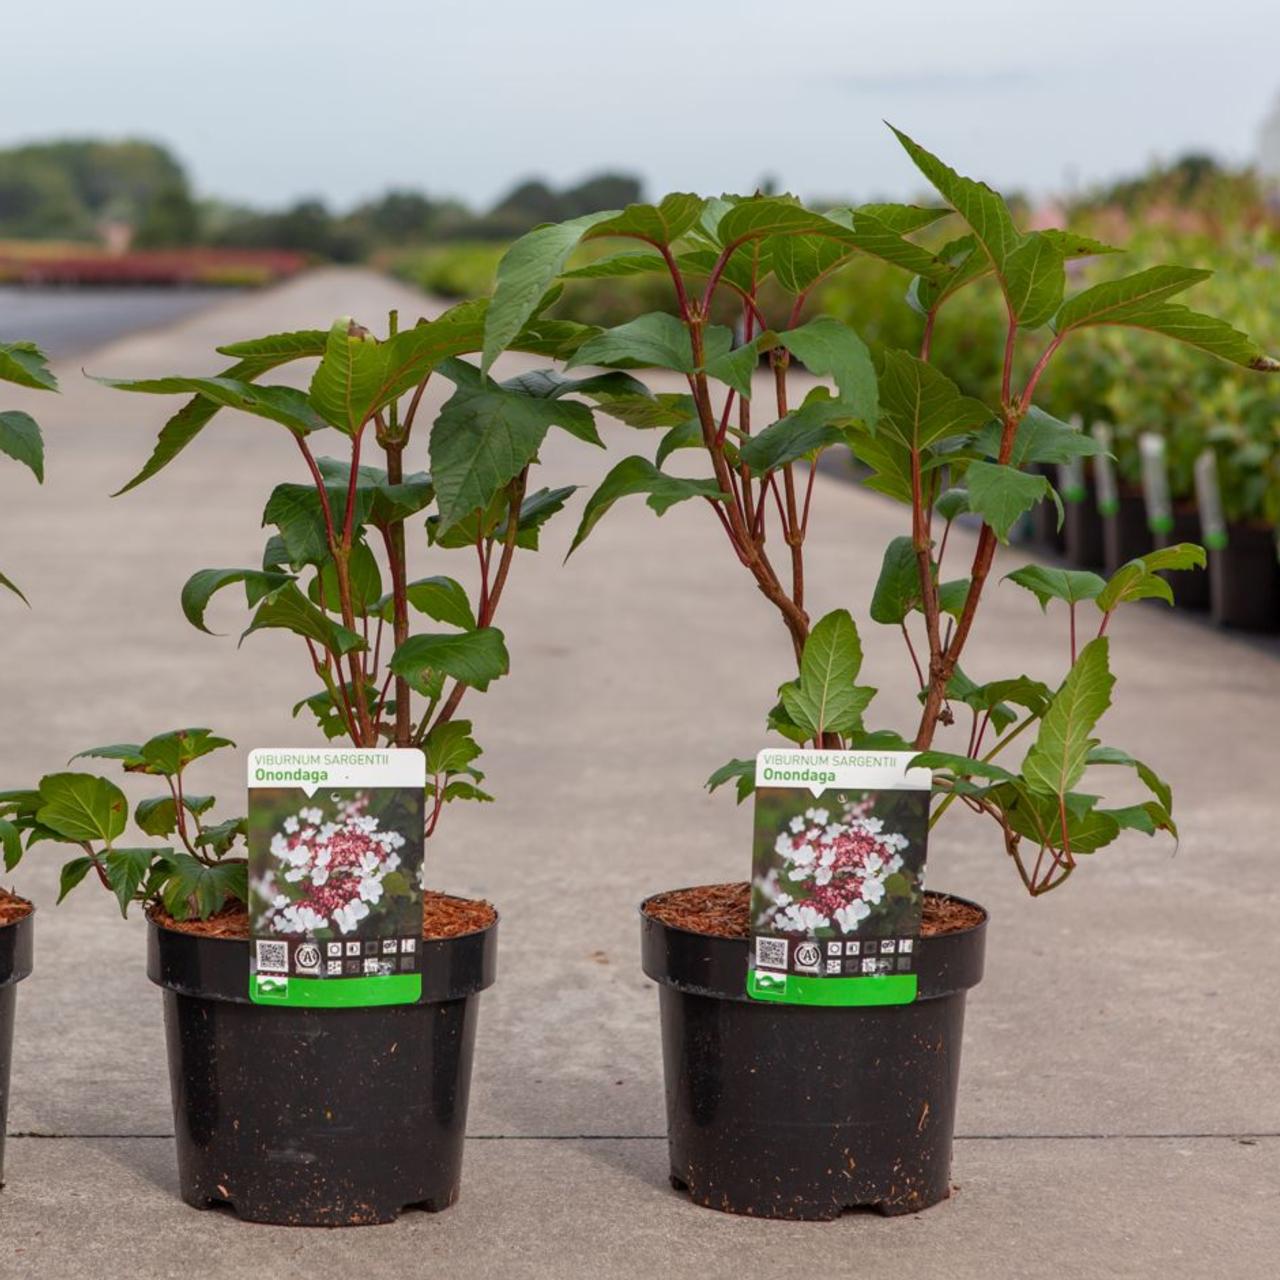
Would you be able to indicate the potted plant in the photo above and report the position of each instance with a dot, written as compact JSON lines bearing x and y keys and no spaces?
{"x":25,"y":365}
{"x":794,"y":1111}
{"x":334,"y":1116}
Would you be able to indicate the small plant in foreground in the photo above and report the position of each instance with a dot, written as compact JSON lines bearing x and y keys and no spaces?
{"x":938,"y":452}
{"x":335,"y":572}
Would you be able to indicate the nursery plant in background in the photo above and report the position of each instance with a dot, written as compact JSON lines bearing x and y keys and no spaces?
{"x":394,"y":654}
{"x":748,"y":1132}
{"x":22,"y":364}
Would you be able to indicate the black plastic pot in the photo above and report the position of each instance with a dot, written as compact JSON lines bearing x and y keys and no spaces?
{"x":1082,"y":531}
{"x":15,"y":964}
{"x":795,"y":1111}
{"x":1124,"y":532}
{"x":1190,"y":586}
{"x":1244,"y":578}
{"x":318,"y":1117}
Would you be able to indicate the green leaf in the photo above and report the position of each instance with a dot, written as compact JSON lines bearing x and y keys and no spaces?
{"x":9,"y":585}
{"x":348,"y":381}
{"x":741,"y":772}
{"x":876,"y":234}
{"x":825,"y":698}
{"x":259,"y":356}
{"x":550,"y":384}
{"x":639,"y":475}
{"x":1000,"y":495}
{"x":20,"y":438}
{"x":1034,"y":279}
{"x":735,"y":368}
{"x":803,"y":433}
{"x":655,"y":340}
{"x":666,"y":409}
{"x":81,"y":806}
{"x":169,"y":753}
{"x":219,"y":838}
{"x":24,"y":364}
{"x":1113,"y":301}
{"x":364,"y":579}
{"x":1140,"y":578}
{"x":535,"y":511}
{"x":1055,"y":762}
{"x":1045,"y":583}
{"x":158,"y":815}
{"x":524,"y":275}
{"x":450,"y":748}
{"x":441,"y":598}
{"x":126,"y":869}
{"x":193,"y":888}
{"x":129,"y":753}
{"x":631,"y":262}
{"x":981,"y":208}
{"x":289,"y":610}
{"x":758,"y":216}
{"x":486,"y":436}
{"x":1039,"y":818}
{"x":960,"y":766}
{"x":920,"y":406}
{"x":473,"y":657}
{"x":952,"y":596}
{"x":72,"y":873}
{"x":11,"y":843}
{"x":830,"y":348}
{"x":1154,"y":783}
{"x":378,"y":501}
{"x":1040,"y":437}
{"x":686,"y":435}
{"x":285,"y":405}
{"x":201,"y":587}
{"x":897,"y":590}
{"x":659,"y":224}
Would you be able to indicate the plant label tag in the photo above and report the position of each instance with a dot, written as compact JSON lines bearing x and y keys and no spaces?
{"x":336,"y":847}
{"x":1155,"y":482}
{"x":1104,"y":471}
{"x":1213,"y":524}
{"x":1071,"y":480}
{"x":837,"y":876}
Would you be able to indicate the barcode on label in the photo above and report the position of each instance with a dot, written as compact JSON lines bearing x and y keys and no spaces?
{"x":273,"y":957}
{"x":771,"y":953}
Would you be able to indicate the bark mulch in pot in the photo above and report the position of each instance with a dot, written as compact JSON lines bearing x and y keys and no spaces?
{"x":442,"y":917}
{"x":724,"y":911}
{"x":13,"y":908}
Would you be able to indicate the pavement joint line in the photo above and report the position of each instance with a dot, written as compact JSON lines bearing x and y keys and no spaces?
{"x":1245,"y":1138}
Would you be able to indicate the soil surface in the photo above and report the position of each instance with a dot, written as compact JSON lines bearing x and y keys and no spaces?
{"x":13,"y":908}
{"x":724,"y":911}
{"x":442,"y":917}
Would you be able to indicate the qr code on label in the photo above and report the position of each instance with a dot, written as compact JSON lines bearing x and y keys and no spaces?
{"x":273,"y":957}
{"x":771,"y":953}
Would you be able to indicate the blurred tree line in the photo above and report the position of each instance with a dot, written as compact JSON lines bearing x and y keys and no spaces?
{"x":75,"y":189}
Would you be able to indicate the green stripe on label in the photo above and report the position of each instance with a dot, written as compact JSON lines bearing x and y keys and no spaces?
{"x":335,"y":993}
{"x":795,"y":988}
{"x":1161,"y":524}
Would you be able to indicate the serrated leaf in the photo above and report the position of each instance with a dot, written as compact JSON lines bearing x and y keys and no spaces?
{"x":960,"y":766}
{"x":920,"y":406}
{"x":830,"y":348}
{"x":639,"y":475}
{"x":897,"y":590}
{"x":474,"y":658}
{"x":659,"y":224}
{"x":825,"y":698}
{"x":450,"y":748}
{"x":72,"y":874}
{"x":740,"y":772}
{"x":193,"y":888}
{"x":1035,"y":278}
{"x":1047,"y":583}
{"x":1140,"y":579}
{"x":804,"y":432}
{"x":1000,"y":495}
{"x":289,"y":610}
{"x":126,"y":869}
{"x":1055,"y":762}
{"x":285,"y":405}
{"x":10,"y":843}
{"x":441,"y":598}
{"x":1040,"y":438}
{"x":654,"y":340}
{"x":169,"y":753}
{"x":1154,"y":783}
{"x":25,"y":365}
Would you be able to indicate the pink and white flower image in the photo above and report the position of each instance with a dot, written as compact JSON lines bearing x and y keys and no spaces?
{"x":334,"y":869}
{"x":832,"y":868}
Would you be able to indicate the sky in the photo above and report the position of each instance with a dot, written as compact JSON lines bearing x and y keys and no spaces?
{"x":266,"y":101}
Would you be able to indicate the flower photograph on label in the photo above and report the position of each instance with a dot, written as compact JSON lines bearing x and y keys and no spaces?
{"x":847,"y":863}
{"x":339,"y":864}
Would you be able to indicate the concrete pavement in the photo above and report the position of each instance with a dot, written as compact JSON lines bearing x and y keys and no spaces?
{"x":1120,"y":1108}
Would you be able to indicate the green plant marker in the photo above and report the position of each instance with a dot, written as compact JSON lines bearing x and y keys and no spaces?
{"x":1104,"y":471}
{"x":1213,"y":525}
{"x":1155,"y":482}
{"x":838,"y":858}
{"x":335,"y":889}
